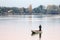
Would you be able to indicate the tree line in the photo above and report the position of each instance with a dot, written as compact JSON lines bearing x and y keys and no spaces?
{"x":50,"y":9}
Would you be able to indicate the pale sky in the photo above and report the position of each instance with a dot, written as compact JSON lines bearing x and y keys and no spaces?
{"x":26,"y":3}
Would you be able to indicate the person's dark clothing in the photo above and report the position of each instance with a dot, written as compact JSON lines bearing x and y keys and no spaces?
{"x":40,"y":28}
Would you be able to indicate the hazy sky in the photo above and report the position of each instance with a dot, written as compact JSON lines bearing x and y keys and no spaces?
{"x":26,"y":3}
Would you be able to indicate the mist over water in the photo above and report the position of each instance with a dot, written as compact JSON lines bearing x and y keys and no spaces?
{"x":19,"y":27}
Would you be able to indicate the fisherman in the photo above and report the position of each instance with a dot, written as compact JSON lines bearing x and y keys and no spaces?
{"x":40,"y":28}
{"x":37,"y":31}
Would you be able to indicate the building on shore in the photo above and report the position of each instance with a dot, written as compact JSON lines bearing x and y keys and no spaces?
{"x":30,"y":9}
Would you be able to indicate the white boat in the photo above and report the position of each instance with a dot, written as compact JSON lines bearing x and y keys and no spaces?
{"x":37,"y":32}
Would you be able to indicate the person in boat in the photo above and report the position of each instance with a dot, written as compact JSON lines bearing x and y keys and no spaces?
{"x":40,"y":28}
{"x":37,"y":31}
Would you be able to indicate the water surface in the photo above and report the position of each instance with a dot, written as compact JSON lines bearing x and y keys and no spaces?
{"x":19,"y":27}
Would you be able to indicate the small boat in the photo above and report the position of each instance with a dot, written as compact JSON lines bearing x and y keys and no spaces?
{"x":37,"y":31}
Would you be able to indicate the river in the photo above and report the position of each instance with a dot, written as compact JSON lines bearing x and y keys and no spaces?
{"x":19,"y":27}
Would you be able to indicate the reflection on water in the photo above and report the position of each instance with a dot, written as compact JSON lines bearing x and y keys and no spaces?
{"x":19,"y":27}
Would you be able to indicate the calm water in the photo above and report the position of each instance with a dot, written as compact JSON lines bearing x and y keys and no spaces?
{"x":19,"y":27}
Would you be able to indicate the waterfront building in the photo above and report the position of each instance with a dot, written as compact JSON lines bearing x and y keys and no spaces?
{"x":30,"y":9}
